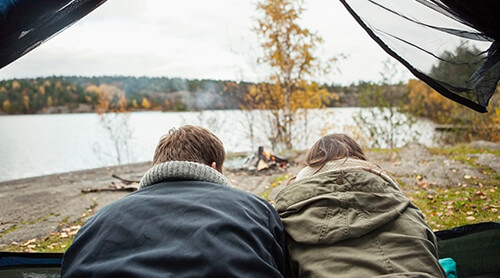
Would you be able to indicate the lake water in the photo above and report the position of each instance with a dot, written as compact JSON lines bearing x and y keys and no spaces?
{"x":34,"y":145}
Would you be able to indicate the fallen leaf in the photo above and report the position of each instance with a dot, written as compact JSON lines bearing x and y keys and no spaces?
{"x":494,"y":210}
{"x":470,"y":218}
{"x":29,"y":242}
{"x":470,"y":213}
{"x":467,"y":177}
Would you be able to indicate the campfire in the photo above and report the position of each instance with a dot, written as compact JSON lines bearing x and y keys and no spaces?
{"x":263,"y":159}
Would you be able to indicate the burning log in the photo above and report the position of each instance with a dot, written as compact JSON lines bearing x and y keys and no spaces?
{"x":263,"y":159}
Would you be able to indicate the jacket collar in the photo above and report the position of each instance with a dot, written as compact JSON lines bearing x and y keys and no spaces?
{"x":182,"y":170}
{"x":343,"y":164}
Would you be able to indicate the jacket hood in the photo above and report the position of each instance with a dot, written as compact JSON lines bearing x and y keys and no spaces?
{"x":339,"y":205}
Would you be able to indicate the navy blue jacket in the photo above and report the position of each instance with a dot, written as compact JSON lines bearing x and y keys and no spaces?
{"x":180,"y":229}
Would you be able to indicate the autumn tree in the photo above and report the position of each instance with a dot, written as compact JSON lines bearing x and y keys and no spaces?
{"x":288,"y":50}
{"x":464,"y":124}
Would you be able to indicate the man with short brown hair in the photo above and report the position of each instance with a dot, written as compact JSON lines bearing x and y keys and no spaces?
{"x":186,"y":220}
{"x":191,"y":143}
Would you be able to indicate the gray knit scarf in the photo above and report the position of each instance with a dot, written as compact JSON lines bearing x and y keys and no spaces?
{"x":184,"y":170}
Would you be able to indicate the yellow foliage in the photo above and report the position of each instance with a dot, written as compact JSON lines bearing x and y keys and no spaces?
{"x":92,"y":89}
{"x":3,"y":90}
{"x":26,"y":102}
{"x":134,"y":103}
{"x":49,"y":101}
{"x":288,"y":50}
{"x":145,"y":103}
{"x":59,"y":85}
{"x":71,"y":88}
{"x":272,"y":96}
{"x":426,"y":102}
{"x":109,"y":98}
{"x":15,"y":85}
{"x":309,"y":95}
{"x":6,"y":106}
{"x":41,"y":89}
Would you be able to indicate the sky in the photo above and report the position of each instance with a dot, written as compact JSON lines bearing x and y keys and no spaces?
{"x":194,"y":39}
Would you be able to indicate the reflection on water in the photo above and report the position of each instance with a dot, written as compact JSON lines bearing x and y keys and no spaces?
{"x":33,"y":145}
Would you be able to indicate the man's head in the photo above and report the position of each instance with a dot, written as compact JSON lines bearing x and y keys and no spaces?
{"x":191,"y":143}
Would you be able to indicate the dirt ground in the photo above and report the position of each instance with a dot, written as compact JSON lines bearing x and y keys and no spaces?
{"x":35,"y":207}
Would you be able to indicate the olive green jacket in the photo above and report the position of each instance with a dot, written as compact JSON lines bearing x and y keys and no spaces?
{"x":355,"y":223}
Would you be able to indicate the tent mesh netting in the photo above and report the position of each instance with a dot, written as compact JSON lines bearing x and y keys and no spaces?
{"x":453,"y":46}
{"x":25,"y":24}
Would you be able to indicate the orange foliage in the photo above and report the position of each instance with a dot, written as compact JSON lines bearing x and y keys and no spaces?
{"x":426,"y":102}
{"x":109,"y":98}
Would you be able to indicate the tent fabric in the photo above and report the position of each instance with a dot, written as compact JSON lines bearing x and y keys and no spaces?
{"x":453,"y":46}
{"x":25,"y":24}
{"x":18,"y":259}
{"x":475,"y":249}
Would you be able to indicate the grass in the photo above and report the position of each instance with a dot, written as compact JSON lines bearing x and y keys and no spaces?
{"x":56,"y":241}
{"x":445,"y":208}
{"x":477,"y":200}
{"x":17,"y":227}
{"x":274,"y":183}
{"x":462,"y":153}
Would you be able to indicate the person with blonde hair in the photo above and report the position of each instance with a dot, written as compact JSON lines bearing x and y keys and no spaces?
{"x":186,"y":220}
{"x":345,"y":217}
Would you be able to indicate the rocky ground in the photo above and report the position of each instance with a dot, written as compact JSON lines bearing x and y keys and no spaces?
{"x":36,"y":207}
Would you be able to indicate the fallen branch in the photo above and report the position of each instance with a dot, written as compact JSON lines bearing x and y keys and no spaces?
{"x":125,"y":181}
{"x":113,"y":187}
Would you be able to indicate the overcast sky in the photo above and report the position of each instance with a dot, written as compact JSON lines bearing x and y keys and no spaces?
{"x":193,"y":39}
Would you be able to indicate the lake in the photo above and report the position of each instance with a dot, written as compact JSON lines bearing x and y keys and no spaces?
{"x":34,"y":145}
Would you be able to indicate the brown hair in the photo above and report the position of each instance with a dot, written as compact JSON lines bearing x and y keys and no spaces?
{"x":332,"y":147}
{"x":190,"y":143}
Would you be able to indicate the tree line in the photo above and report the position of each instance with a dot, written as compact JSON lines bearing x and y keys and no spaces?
{"x":91,"y":94}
